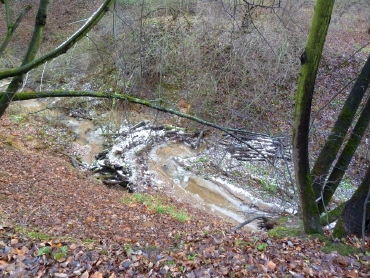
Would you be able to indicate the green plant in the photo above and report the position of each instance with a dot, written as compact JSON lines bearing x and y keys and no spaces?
{"x":89,"y":240}
{"x":346,"y":184}
{"x":170,"y":263}
{"x":37,"y":235}
{"x":341,"y":248}
{"x":262,"y":246}
{"x":239,"y":242}
{"x":60,"y":253}
{"x":192,"y":257}
{"x":178,"y":236}
{"x":161,"y":209}
{"x":268,"y":185}
{"x":18,"y":118}
{"x":44,"y":250}
{"x":180,"y":216}
{"x":128,"y":249}
{"x":156,"y":203}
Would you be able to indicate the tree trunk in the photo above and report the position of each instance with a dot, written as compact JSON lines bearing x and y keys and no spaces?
{"x":345,"y":157}
{"x":335,"y":140}
{"x":30,"y":55}
{"x":29,"y":62}
{"x":63,"y":48}
{"x":350,"y":221}
{"x":310,"y":60}
{"x":11,"y":27}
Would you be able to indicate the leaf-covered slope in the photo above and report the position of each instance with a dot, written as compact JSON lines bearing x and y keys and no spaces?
{"x":58,"y":221}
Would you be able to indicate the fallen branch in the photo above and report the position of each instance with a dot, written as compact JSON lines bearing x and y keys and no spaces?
{"x":264,"y":223}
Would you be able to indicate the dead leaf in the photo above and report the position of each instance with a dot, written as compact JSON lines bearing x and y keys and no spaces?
{"x":271,"y":265}
{"x":97,"y":275}
{"x":352,"y":274}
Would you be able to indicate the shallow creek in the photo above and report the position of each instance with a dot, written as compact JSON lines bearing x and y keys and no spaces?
{"x":197,"y":190}
{"x":213,"y":195}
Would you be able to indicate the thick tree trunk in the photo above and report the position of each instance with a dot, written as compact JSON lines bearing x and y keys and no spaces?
{"x":350,"y":221}
{"x":310,"y":62}
{"x":335,"y":140}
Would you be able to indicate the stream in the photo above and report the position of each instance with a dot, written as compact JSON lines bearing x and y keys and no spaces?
{"x":164,"y":166}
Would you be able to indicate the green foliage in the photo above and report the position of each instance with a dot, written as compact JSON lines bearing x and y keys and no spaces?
{"x":191,"y":257}
{"x":44,"y":250}
{"x":37,"y":235}
{"x":59,"y":254}
{"x":128,"y":249}
{"x":262,"y":246}
{"x":268,"y":185}
{"x":169,"y":263}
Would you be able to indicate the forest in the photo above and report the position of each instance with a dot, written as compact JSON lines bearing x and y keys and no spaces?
{"x":184,"y":138}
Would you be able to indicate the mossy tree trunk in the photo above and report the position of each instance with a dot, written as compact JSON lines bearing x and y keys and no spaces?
{"x":33,"y":48}
{"x":329,"y":153}
{"x":29,"y":62}
{"x":11,"y":27}
{"x":350,"y":221}
{"x":310,"y":60}
{"x":346,"y":155}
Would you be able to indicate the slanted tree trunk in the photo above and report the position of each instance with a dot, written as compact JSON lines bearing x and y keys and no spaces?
{"x":29,"y":61}
{"x":350,"y":221}
{"x":310,"y":62}
{"x":10,"y":25}
{"x":345,"y":157}
{"x":335,"y":140}
{"x":33,"y":48}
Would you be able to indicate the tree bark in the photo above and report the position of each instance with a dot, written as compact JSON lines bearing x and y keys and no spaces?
{"x":310,"y":62}
{"x":345,"y":157}
{"x":33,"y":48}
{"x":63,"y":48}
{"x":11,"y":27}
{"x":335,"y":140}
{"x":350,"y":221}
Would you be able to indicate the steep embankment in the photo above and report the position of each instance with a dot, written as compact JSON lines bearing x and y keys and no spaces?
{"x":58,"y":221}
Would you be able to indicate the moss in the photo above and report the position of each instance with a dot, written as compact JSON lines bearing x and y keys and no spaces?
{"x":37,"y":235}
{"x":340,"y":247}
{"x":281,"y":232}
{"x":332,"y":215}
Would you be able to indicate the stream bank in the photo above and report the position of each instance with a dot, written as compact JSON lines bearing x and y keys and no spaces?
{"x":163,"y":157}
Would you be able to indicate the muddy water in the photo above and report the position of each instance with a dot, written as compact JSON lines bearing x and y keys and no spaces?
{"x":206,"y":193}
{"x":89,"y":140}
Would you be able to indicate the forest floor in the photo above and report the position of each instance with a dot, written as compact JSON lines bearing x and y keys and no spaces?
{"x":56,"y":221}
